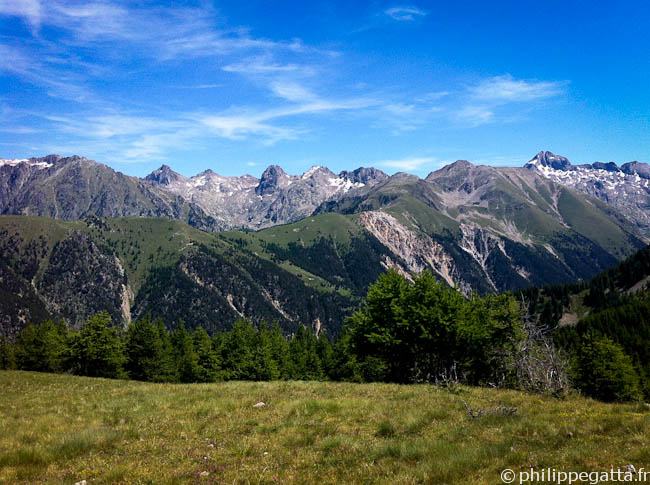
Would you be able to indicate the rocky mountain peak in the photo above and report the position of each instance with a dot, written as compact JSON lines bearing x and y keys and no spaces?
{"x":549,"y":159}
{"x":636,"y":168}
{"x":609,"y":166}
{"x":52,"y":159}
{"x":164,"y":175}
{"x":364,"y":175}
{"x":272,"y":179}
{"x":460,"y":168}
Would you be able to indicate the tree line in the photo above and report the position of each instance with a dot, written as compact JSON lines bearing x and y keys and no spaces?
{"x":406,"y":331}
{"x":147,"y":351}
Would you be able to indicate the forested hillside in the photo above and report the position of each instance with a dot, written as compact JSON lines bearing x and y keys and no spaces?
{"x":129,"y":267}
{"x":600,"y":323}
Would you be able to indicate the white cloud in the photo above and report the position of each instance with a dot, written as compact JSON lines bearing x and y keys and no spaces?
{"x":503,"y":99}
{"x":506,"y":89}
{"x":160,"y":32}
{"x":474,"y":115}
{"x":264,"y":65}
{"x":239,"y":124}
{"x":65,"y":85}
{"x":238,"y":127}
{"x":203,"y":86}
{"x":406,"y":13}
{"x":414,"y":163}
{"x":292,"y":91}
{"x":30,"y":10}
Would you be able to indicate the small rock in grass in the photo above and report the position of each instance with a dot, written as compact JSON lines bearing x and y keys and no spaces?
{"x":82,"y":482}
{"x":266,"y":453}
{"x":204,"y":473}
{"x":211,"y":445}
{"x":259,"y":404}
{"x":629,"y":469}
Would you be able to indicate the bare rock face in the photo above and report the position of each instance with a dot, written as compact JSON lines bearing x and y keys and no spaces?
{"x":273,"y":179}
{"x":275,"y":198}
{"x":419,"y":252}
{"x":75,"y":187}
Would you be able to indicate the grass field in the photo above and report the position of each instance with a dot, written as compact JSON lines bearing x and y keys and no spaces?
{"x":62,"y":429}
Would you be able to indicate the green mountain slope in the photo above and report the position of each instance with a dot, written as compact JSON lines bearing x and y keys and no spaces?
{"x":130,"y":266}
{"x":494,"y":229}
{"x":505,"y":230}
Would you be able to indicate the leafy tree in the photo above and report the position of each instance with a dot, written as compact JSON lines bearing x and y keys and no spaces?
{"x":428,"y":315}
{"x":426,"y":331}
{"x":96,"y":351}
{"x":487,"y":334}
{"x":604,"y":371}
{"x":375,"y":336}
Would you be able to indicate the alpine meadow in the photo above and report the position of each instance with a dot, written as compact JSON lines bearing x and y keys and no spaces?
{"x":326,"y":242}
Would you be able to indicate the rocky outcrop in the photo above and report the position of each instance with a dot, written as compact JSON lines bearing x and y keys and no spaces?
{"x":419,"y":252}
{"x":82,"y":279}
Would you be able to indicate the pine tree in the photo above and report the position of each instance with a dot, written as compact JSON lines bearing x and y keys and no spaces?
{"x":167,"y":370}
{"x":7,"y":357}
{"x":279,"y":351}
{"x":148,"y":351}
{"x":604,"y":371}
{"x":184,"y":355}
{"x":238,"y":351}
{"x":42,"y":347}
{"x":96,"y":351}
{"x":208,"y":363}
{"x":304,"y":361}
{"x":265,"y":366}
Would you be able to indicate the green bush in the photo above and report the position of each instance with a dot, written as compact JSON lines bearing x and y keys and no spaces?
{"x":604,"y":371}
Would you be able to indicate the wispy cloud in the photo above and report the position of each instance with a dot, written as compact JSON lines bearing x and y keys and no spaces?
{"x":506,"y":89}
{"x":405,"y":13}
{"x":474,"y":115}
{"x":413,"y":163}
{"x":29,"y":10}
{"x":503,"y":99}
{"x":66,"y":85}
{"x":161,"y":32}
{"x":237,"y":124}
{"x":265,"y":65}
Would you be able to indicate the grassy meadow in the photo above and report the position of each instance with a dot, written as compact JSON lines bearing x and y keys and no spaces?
{"x":64,"y":429}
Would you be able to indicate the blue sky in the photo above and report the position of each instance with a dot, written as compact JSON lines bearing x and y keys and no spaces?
{"x":235,"y":86}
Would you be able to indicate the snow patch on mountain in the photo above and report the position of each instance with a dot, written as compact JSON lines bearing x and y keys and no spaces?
{"x":31,"y":162}
{"x":627,"y":188}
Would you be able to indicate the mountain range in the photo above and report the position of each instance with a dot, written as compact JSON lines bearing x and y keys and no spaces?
{"x":324,"y":237}
{"x":626,"y":187}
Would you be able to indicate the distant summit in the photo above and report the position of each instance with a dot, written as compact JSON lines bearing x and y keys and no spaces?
{"x":627,"y":187}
